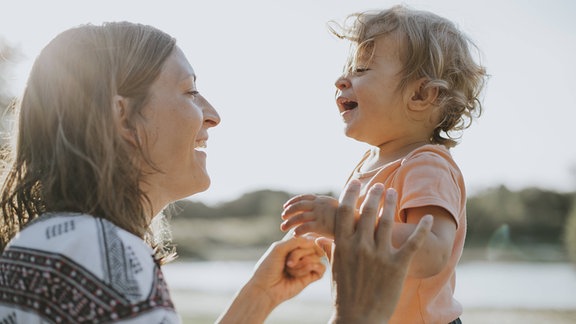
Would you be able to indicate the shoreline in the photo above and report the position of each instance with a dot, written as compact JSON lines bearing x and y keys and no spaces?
{"x":490,"y":292}
{"x":202,"y":308}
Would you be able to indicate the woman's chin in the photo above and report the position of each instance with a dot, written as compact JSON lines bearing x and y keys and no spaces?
{"x":200,"y":186}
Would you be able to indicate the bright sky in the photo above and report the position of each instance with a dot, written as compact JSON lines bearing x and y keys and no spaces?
{"x":269,"y":68}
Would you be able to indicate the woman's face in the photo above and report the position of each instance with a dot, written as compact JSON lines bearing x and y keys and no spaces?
{"x":174,"y":133}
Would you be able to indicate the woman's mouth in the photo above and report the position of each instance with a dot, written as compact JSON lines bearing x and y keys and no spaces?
{"x":200,"y":145}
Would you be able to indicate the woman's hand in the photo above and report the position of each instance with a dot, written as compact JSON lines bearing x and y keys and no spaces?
{"x":367,"y":271}
{"x":273,"y":282}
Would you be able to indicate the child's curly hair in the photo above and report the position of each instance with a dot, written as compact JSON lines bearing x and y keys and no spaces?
{"x":433,"y":48}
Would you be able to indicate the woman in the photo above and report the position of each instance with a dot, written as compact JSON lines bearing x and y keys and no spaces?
{"x":111,"y":130}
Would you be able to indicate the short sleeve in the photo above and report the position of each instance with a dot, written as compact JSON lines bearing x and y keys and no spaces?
{"x":429,"y":178}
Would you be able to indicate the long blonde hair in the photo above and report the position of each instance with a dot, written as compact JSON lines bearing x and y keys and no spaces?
{"x":432,"y":48}
{"x":69,"y":155}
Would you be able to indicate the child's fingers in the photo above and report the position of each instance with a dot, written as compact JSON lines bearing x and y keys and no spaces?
{"x":299,"y":198}
{"x":308,"y":227}
{"x":310,"y":263}
{"x":303,"y":261}
{"x":311,"y":272}
{"x":296,"y":220}
{"x":298,"y":255}
{"x":297,"y":207}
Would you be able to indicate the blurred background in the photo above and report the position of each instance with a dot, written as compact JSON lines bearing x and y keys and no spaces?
{"x":269,"y":68}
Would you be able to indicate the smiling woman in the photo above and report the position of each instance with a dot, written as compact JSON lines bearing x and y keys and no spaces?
{"x":175,"y":124}
{"x":110,"y":127}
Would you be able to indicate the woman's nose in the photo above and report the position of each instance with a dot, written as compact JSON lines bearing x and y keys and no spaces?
{"x":342,"y":83}
{"x":211,"y":116}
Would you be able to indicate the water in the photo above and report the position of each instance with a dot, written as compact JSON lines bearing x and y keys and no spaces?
{"x":478,"y":284}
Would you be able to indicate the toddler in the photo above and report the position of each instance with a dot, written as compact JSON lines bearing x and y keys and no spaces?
{"x":409,"y":87}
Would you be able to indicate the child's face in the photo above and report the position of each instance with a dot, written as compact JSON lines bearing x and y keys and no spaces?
{"x":370,"y":100}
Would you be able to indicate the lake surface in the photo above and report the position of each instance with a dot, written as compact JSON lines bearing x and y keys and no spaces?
{"x":478,"y":284}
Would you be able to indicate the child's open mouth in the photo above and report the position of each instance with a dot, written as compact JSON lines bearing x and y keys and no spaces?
{"x":345,"y":104}
{"x":349,"y":105}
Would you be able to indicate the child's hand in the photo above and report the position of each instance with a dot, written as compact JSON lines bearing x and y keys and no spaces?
{"x":303,"y":261}
{"x":310,"y":214}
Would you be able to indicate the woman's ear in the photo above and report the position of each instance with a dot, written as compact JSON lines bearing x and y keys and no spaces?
{"x":422,"y":96}
{"x":121,"y":111}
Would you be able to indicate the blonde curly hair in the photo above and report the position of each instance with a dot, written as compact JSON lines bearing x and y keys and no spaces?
{"x":433,"y":48}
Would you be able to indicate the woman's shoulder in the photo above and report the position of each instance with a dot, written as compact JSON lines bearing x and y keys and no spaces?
{"x":75,"y":234}
{"x":89,"y":244}
{"x":90,"y":260}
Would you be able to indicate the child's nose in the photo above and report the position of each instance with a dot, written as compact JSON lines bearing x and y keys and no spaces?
{"x":342,"y":83}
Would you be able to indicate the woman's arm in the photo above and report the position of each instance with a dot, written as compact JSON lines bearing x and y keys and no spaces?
{"x":271,"y":284}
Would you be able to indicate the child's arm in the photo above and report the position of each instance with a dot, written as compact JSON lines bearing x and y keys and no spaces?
{"x":310,"y":214}
{"x":437,"y":247}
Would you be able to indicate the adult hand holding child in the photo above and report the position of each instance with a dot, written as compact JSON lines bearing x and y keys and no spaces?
{"x":364,"y":248}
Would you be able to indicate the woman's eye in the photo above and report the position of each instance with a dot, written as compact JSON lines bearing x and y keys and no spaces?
{"x":360,"y":70}
{"x":192,"y":93}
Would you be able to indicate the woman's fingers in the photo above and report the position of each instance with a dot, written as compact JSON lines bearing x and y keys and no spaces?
{"x":344,"y":222}
{"x":386,"y":220}
{"x":369,"y":212}
{"x":327,"y":245}
{"x":416,"y":239}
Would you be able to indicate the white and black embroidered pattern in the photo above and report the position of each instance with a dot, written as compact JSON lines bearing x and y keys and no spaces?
{"x":61,"y":291}
{"x":74,"y":268}
{"x":117,"y":267}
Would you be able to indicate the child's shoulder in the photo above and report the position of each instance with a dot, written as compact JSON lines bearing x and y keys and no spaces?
{"x":429,"y":150}
{"x":430,"y":154}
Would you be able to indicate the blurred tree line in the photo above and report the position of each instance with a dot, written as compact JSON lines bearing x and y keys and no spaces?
{"x":498,"y":218}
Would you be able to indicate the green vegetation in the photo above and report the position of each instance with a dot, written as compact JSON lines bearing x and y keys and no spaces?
{"x":570,"y":232}
{"x":530,"y":224}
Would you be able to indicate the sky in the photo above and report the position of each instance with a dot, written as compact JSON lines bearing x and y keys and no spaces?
{"x":269,"y":68}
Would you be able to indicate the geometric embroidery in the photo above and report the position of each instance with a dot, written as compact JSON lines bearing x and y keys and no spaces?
{"x":61,"y":291}
{"x":9,"y":319}
{"x":118,"y":271}
{"x":59,"y":229}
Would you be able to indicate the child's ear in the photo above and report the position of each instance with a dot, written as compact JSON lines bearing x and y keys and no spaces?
{"x":422,"y":96}
{"x":121,"y":111}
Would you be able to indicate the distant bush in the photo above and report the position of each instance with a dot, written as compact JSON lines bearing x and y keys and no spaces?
{"x":251,"y":204}
{"x":497,"y":218}
{"x":570,"y":232}
{"x":532,"y":215}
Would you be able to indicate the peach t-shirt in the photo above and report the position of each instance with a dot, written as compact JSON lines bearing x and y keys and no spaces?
{"x":427,"y":176}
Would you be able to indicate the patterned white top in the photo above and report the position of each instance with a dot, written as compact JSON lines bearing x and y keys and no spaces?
{"x":75,"y":268}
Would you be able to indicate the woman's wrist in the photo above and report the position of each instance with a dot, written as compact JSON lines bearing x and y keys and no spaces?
{"x":252,"y":304}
